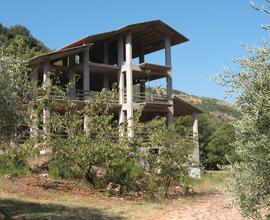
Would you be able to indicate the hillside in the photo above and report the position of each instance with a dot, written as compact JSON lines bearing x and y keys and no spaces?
{"x":19,"y":40}
{"x":219,"y":109}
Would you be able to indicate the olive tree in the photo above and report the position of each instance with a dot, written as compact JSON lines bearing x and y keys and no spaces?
{"x":252,"y":132}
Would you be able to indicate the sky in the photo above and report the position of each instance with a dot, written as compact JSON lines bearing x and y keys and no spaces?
{"x":215,"y":28}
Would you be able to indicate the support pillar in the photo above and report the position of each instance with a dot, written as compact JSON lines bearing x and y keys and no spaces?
{"x":121,"y":84}
{"x":129,"y":84}
{"x":168,"y":63}
{"x":33,"y":113}
{"x":71,"y":61}
{"x":142,"y":82}
{"x":105,"y":61}
{"x":86,"y":84}
{"x":72,"y":91}
{"x":141,"y":57}
{"x":46,"y":82}
{"x":195,"y":157}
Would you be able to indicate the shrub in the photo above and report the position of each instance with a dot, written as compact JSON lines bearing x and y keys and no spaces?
{"x":63,"y":169}
{"x":125,"y":173}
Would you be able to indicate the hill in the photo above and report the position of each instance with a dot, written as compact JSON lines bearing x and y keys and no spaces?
{"x":219,"y":109}
{"x":19,"y":40}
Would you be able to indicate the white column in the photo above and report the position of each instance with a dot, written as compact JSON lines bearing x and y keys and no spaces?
{"x":195,"y":130}
{"x":33,"y":113}
{"x":129,"y":83}
{"x":168,"y":62}
{"x":86,"y":84}
{"x":121,"y":85}
{"x":46,"y":82}
{"x":195,"y":156}
{"x":105,"y":61}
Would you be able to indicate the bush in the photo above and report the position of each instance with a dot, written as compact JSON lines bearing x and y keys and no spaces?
{"x":13,"y":166}
{"x":63,"y":169}
{"x":125,"y":173}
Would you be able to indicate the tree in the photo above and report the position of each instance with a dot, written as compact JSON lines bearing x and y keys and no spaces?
{"x":171,"y":160}
{"x":252,"y":132}
{"x":219,"y":150}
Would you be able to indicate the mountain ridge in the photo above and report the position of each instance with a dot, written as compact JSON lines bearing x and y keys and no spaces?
{"x":219,"y":109}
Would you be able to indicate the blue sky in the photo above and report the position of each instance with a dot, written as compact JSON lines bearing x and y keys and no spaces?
{"x":216,"y":30}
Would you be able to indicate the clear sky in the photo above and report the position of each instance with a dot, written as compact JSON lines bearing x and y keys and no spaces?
{"x":216,"y":29}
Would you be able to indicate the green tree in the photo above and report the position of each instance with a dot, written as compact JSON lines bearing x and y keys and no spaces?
{"x":252,"y":132}
{"x":219,"y":150}
{"x":171,"y":160}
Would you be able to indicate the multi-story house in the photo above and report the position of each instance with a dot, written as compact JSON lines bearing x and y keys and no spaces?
{"x":118,"y":57}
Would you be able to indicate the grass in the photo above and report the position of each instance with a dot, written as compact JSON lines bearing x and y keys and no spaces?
{"x":211,"y":181}
{"x":21,"y":200}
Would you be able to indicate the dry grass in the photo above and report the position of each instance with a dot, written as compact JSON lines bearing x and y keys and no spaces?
{"x":29,"y":198}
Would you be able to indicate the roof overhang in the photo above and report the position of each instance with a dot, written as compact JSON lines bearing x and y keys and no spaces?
{"x":183,"y":108}
{"x":58,"y":54}
{"x":150,"y":35}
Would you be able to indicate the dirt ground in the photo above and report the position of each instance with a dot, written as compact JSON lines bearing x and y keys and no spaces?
{"x":217,"y":206}
{"x":35,"y":198}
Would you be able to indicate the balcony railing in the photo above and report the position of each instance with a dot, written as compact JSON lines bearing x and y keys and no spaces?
{"x":148,"y":97}
{"x":84,"y":96}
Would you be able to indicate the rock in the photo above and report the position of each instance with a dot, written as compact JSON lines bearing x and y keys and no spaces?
{"x":114,"y":189}
{"x":39,"y":163}
{"x":8,"y":176}
{"x":43,"y":175}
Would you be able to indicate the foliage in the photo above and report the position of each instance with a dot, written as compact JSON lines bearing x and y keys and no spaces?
{"x":219,"y":150}
{"x":19,"y":41}
{"x":171,"y":161}
{"x":214,"y":138}
{"x":17,"y":45}
{"x":251,"y":175}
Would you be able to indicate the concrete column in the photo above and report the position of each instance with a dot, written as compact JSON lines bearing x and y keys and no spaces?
{"x":33,"y":113}
{"x":46,"y":69}
{"x":71,"y":60}
{"x":71,"y":78}
{"x":65,"y":61}
{"x":141,"y":57}
{"x":168,"y":62}
{"x":121,"y":84}
{"x":142,"y":82}
{"x":86,"y":83}
{"x":195,"y":156}
{"x":86,"y":71}
{"x":195,"y":130}
{"x":46,"y":82}
{"x":129,"y":84}
{"x":105,"y":61}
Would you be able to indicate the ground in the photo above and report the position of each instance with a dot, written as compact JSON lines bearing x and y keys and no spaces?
{"x":40,"y":198}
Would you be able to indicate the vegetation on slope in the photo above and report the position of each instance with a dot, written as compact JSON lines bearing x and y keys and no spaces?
{"x":19,"y":40}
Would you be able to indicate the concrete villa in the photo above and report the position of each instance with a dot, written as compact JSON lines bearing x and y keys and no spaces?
{"x":118,"y":58}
